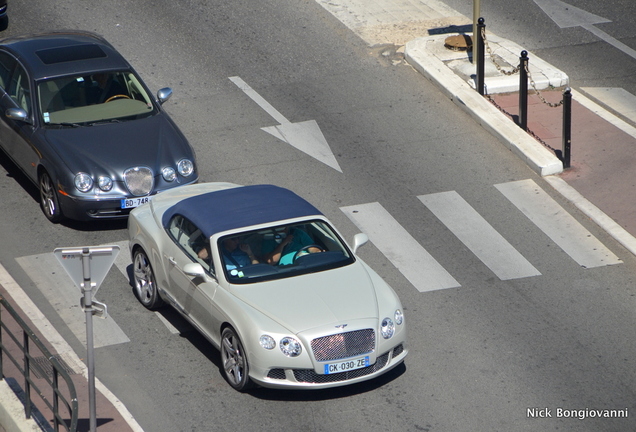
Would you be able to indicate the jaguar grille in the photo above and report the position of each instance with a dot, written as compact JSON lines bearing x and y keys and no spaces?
{"x":139,"y":180}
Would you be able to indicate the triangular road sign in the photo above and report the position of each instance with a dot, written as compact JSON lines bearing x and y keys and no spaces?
{"x":87,"y":262}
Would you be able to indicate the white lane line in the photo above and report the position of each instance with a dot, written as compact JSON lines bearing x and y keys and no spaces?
{"x":260,"y":100}
{"x":58,"y":288}
{"x":618,"y":99}
{"x":306,"y":136}
{"x":404,"y":252}
{"x":558,"y":224}
{"x":60,"y":346}
{"x":478,"y":235}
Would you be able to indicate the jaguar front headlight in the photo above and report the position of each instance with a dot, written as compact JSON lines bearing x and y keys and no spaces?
{"x":83,"y":182}
{"x":290,"y":347}
{"x":169,"y":174}
{"x":387,"y":328}
{"x":105,"y":183}
{"x":185,"y":167}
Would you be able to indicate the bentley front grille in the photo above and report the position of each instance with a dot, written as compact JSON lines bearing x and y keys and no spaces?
{"x":343,"y":345}
{"x":139,"y":180}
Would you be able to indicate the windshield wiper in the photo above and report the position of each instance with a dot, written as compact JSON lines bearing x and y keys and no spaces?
{"x":66,"y":124}
{"x":103,"y":121}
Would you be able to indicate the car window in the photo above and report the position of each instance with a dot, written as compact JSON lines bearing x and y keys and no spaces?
{"x":92,"y":98}
{"x":192,"y":241}
{"x":282,"y":251}
{"x":19,"y":89}
{"x":7,"y":64}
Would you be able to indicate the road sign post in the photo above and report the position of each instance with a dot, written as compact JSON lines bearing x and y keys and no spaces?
{"x":87,"y":266}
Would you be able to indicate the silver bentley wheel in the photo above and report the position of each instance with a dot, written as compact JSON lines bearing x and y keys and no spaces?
{"x":145,"y":284}
{"x":234,"y":361}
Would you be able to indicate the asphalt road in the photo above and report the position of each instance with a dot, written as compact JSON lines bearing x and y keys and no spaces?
{"x":482,"y":353}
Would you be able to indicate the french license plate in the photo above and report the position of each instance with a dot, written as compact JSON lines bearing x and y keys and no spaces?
{"x":134,"y":202}
{"x":347,"y":365}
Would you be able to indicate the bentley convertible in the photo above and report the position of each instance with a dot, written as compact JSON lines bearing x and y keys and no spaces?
{"x":266,"y":278}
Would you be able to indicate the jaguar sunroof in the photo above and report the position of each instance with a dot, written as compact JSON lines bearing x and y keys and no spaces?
{"x":70,"y":53}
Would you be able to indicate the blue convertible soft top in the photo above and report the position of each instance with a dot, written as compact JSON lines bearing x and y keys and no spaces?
{"x":239,"y":207}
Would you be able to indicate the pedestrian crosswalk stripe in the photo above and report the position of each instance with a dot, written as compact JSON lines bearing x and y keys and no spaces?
{"x":478,"y":235}
{"x":557,"y":224}
{"x":404,"y":252}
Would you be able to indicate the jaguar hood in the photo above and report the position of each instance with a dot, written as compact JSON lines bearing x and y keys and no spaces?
{"x":110,"y":148}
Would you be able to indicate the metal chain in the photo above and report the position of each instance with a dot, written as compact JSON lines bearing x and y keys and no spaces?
{"x":492,"y":58}
{"x":516,"y":70}
{"x":530,"y":132}
{"x":534,"y":86}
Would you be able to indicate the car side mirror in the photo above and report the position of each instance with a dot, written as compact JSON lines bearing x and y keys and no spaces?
{"x":17,"y":114}
{"x":359,"y":239}
{"x":194,"y":269}
{"x":164,"y":94}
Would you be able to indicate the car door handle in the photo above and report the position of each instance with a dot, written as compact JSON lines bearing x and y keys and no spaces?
{"x":172,"y":261}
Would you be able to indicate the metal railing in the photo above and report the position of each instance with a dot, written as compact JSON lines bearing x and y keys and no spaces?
{"x":27,"y":366}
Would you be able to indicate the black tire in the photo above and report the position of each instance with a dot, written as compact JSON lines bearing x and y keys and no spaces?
{"x":145,"y":284}
{"x":48,"y":199}
{"x":234,"y":361}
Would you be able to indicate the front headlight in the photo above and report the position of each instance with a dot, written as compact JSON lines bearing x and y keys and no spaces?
{"x":399,"y":317}
{"x":185,"y":167}
{"x":83,"y":182}
{"x":290,"y":347}
{"x":169,"y":174}
{"x":387,"y":328}
{"x":105,"y":183}
{"x":267,"y":342}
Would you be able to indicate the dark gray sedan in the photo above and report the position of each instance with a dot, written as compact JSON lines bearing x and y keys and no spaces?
{"x":82,"y":125}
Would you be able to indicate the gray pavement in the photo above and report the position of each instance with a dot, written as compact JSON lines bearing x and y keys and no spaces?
{"x":602,"y":156}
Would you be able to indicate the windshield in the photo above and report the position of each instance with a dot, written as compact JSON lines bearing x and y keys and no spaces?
{"x":92,"y":98}
{"x":282,"y":251}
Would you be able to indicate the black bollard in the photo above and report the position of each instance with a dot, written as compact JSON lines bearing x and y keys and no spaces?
{"x":567,"y":126}
{"x":523,"y":90}
{"x":481,"y":27}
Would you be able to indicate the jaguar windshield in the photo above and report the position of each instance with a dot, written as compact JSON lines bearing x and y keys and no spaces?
{"x":93,"y":98}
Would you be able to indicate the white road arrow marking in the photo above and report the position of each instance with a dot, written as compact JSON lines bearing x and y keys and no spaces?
{"x":305,"y":136}
{"x":565,"y":15}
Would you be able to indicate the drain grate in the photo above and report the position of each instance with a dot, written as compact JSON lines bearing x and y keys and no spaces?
{"x":43,"y":365}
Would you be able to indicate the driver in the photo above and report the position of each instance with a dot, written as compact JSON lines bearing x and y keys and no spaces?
{"x":105,"y":86}
{"x":283,"y":250}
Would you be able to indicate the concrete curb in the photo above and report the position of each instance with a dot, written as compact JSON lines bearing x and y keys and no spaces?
{"x":12,"y":416}
{"x":540,"y":159}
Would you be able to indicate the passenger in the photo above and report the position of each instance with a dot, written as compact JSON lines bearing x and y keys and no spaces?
{"x":237,"y":254}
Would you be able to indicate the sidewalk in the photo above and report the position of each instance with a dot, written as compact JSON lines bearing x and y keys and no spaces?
{"x":112,"y":416}
{"x":599,"y":181}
